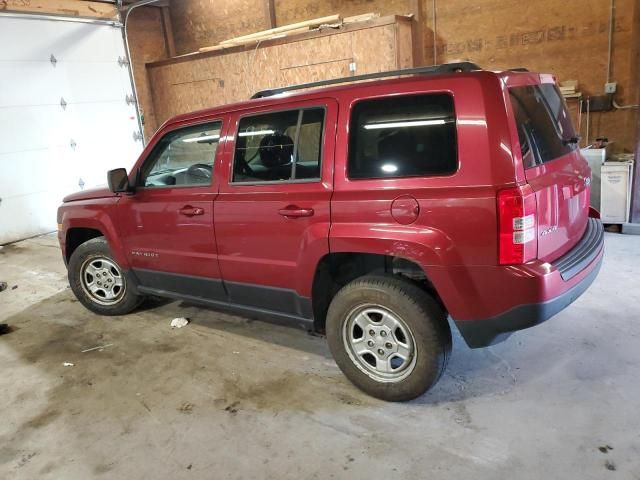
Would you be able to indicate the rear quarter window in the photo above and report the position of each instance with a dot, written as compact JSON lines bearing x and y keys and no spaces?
{"x":405,"y":136}
{"x":544,"y":126}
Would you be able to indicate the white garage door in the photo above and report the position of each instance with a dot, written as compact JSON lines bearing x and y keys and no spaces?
{"x":64,"y":116}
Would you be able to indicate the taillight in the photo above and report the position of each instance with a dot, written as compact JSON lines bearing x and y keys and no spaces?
{"x":517,"y":225}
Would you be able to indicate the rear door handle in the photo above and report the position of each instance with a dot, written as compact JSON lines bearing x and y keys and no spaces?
{"x":190,"y":211}
{"x":292,"y":211}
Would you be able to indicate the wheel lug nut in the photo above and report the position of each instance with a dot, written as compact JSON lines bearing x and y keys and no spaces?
{"x":380,"y":351}
{"x":383,"y":333}
{"x":388,"y":345}
{"x":370,"y":343}
{"x":372,"y":333}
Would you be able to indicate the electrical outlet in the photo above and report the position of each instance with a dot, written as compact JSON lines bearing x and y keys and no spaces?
{"x":610,"y":87}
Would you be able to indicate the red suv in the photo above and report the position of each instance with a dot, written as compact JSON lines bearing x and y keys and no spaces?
{"x":371,"y":211}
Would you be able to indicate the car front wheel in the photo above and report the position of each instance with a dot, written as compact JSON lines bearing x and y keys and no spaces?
{"x":98,"y":282}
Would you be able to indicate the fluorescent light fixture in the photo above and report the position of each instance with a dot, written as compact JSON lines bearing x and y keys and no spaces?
{"x":469,"y":121}
{"x":389,"y":168}
{"x":256,"y":132}
{"x":201,"y":139}
{"x":414,"y":123}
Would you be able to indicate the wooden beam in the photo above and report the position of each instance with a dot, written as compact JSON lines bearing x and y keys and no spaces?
{"x":276,"y":40}
{"x":419,"y":20}
{"x":307,"y":23}
{"x":635,"y":99}
{"x":270,"y":13}
{"x":248,"y":41}
{"x":167,"y":30}
{"x":71,"y":8}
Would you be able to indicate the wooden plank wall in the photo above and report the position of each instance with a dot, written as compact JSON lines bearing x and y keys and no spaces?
{"x":564,"y":37}
{"x":568,"y":38}
{"x":200,"y":23}
{"x":147,"y":43}
{"x":210,"y":79}
{"x":292,"y":11}
{"x":74,"y":8}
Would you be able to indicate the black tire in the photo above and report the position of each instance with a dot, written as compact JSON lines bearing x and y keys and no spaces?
{"x":421,"y":314}
{"x":94,"y":250}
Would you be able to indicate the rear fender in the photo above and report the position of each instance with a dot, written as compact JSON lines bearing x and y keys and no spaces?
{"x":423,"y":245}
{"x":430,"y":248}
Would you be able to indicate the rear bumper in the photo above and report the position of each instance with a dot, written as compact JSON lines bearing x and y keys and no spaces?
{"x":564,"y":281}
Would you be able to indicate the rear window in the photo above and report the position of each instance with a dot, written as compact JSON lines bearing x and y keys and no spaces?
{"x":403,"y":137}
{"x":544,"y":126}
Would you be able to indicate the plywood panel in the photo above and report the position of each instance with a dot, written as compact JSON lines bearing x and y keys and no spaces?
{"x":74,"y":8}
{"x":291,"y":11}
{"x":147,"y":44}
{"x":568,"y":38}
{"x":564,"y":37}
{"x":374,"y":50}
{"x":404,"y":45}
{"x":207,"y":80}
{"x":201,"y":23}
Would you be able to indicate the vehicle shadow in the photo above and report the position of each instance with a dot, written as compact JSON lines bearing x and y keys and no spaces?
{"x":470,"y":373}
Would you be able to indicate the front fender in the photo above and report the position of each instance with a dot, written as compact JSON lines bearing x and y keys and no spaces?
{"x":97,"y":214}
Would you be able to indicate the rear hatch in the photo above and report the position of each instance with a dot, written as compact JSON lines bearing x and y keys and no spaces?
{"x":554,"y":168}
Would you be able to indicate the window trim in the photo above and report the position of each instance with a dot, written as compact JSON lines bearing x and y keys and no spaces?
{"x":153,"y":154}
{"x":403,"y":177}
{"x":290,"y":181}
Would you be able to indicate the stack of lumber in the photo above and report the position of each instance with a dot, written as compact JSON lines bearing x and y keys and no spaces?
{"x":331,"y":21}
{"x":569,"y":88}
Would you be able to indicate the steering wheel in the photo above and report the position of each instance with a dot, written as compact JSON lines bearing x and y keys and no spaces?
{"x":200,"y":170}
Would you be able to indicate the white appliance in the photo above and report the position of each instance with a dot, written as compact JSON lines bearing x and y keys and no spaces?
{"x":67,"y":115}
{"x":595,"y":157}
{"x":616,"y":191}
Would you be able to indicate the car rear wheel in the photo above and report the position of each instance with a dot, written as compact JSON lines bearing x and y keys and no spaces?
{"x":98,"y":282}
{"x":388,"y":336}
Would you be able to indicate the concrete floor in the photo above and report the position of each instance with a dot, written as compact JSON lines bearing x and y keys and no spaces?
{"x":227,"y":397}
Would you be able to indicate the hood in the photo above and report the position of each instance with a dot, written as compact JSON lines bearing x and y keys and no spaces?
{"x":99,"y":192}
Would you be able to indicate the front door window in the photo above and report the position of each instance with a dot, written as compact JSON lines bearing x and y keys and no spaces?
{"x":182,"y":158}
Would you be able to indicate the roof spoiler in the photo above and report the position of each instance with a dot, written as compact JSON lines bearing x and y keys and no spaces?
{"x":432,"y":70}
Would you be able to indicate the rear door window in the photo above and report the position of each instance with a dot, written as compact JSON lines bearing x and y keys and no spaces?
{"x":280,"y":146}
{"x":409,"y":136}
{"x":544,"y":126}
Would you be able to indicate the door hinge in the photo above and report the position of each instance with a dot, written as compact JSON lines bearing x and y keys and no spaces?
{"x":63,"y":103}
{"x":81,"y":184}
{"x":137,"y":136}
{"x":123,"y":61}
{"x":73,"y":144}
{"x":130,"y":99}
{"x":53,"y":60}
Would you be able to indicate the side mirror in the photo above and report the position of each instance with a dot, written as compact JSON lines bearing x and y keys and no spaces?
{"x":118,"y":180}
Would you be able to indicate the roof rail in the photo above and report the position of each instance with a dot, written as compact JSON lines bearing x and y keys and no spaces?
{"x":432,"y":70}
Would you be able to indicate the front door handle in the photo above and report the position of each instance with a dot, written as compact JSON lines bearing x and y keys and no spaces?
{"x":190,"y":211}
{"x":292,"y":211}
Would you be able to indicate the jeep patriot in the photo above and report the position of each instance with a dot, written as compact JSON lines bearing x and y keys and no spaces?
{"x":373,"y":211}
